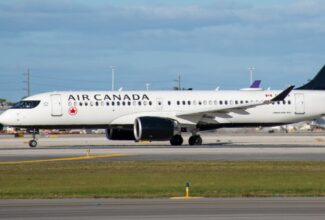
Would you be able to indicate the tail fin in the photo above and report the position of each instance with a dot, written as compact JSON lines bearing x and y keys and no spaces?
{"x":318,"y":83}
{"x":256,"y":84}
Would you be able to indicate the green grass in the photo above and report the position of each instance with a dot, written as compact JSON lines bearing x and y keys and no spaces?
{"x":161,"y":179}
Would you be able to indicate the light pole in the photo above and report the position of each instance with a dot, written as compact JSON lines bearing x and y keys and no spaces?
{"x":113,"y":77}
{"x":147,"y":86}
{"x":251,"y":69}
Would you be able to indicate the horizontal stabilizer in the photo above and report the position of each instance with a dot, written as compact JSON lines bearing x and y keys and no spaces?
{"x":283,"y":94}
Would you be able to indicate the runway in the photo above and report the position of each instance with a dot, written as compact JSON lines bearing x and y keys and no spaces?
{"x":236,"y":147}
{"x":193,"y":209}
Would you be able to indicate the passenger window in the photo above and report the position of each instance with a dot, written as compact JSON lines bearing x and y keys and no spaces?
{"x":236,"y":102}
{"x":210,"y":102}
{"x":289,"y":102}
{"x":204,"y":102}
{"x":129,"y":103}
{"x":96,"y":103}
{"x":178,"y":102}
{"x":139,"y":103}
{"x":200,"y":103}
{"x":221,"y":102}
{"x":189,"y":102}
{"x":144,"y":102}
{"x":194,"y":102}
{"x":123,"y":103}
{"x":107,"y":103}
{"x":80,"y":103}
{"x":184,"y":103}
{"x":113,"y":103}
{"x":169,"y":102}
{"x":150,"y":103}
{"x":215,"y":102}
{"x":86,"y":103}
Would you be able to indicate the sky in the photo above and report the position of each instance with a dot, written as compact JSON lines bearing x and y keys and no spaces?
{"x":71,"y":45}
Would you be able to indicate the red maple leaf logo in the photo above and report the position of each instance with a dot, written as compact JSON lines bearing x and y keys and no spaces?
{"x":73,"y":111}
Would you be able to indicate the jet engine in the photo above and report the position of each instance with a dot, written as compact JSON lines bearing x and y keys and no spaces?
{"x":119,"y":134}
{"x":155,"y":128}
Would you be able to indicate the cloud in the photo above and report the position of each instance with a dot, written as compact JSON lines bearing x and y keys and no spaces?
{"x":74,"y":37}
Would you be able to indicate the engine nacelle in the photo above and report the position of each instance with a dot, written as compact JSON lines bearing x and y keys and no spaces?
{"x":155,"y":128}
{"x":119,"y":134}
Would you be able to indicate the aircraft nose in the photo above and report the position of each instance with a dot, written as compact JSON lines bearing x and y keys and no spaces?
{"x":5,"y":119}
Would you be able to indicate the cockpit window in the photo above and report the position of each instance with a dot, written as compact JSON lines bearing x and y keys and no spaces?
{"x":26,"y":104}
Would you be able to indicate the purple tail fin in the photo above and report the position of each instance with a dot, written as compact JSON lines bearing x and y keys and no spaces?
{"x":256,"y":84}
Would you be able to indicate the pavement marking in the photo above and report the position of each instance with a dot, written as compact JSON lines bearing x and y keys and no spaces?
{"x":64,"y":159}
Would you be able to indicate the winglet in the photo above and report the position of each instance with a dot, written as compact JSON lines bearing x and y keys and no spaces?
{"x":283,"y":94}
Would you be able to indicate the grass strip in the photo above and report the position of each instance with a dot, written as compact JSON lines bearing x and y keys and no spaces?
{"x":152,"y":179}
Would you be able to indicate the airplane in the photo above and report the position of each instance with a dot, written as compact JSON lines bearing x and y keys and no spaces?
{"x":165,"y":115}
{"x":255,"y":86}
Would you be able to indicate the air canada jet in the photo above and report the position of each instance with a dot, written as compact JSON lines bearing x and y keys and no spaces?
{"x":165,"y":115}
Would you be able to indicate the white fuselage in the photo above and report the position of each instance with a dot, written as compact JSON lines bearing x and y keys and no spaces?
{"x":105,"y":108}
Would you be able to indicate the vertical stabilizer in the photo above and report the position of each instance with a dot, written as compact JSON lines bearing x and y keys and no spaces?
{"x":318,"y":83}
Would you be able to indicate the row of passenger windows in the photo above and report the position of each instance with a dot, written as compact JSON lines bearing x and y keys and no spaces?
{"x":117,"y":103}
{"x":204,"y":102}
{"x":225,"y":102}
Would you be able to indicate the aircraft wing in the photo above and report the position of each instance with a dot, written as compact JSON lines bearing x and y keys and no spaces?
{"x":226,"y":109}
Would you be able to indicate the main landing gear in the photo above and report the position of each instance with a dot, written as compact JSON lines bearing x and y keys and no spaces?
{"x":33,"y":143}
{"x":195,"y":140}
{"x":177,"y":140}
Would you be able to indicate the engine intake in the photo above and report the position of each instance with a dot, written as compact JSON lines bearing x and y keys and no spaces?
{"x":119,"y":134}
{"x":155,"y":128}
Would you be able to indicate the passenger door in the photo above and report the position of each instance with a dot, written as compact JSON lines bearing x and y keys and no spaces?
{"x":299,"y":103}
{"x":56,"y":109}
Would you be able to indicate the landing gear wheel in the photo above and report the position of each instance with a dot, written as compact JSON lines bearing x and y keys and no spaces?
{"x":32,"y":143}
{"x":195,"y":140}
{"x":176,"y":140}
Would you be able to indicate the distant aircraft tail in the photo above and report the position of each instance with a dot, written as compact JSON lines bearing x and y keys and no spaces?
{"x":318,"y":83}
{"x":255,"y":84}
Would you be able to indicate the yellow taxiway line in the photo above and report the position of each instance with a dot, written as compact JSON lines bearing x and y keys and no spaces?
{"x":64,"y":159}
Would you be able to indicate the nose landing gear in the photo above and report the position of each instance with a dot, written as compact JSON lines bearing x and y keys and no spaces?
{"x":33,"y":143}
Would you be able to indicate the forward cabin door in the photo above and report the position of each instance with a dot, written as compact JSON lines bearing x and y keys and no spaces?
{"x":299,"y":103}
{"x":56,"y":105}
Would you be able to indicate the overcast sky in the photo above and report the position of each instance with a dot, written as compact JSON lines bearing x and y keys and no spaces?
{"x":70,"y":45}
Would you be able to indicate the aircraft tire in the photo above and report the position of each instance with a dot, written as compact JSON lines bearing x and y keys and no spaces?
{"x":195,"y":140}
{"x":32,"y":143}
{"x":176,"y":140}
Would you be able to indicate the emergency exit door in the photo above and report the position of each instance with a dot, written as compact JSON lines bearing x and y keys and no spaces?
{"x":299,"y":103}
{"x":56,"y":109}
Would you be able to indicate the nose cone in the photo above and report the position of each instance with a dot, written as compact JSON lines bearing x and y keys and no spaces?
{"x":6,"y":118}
